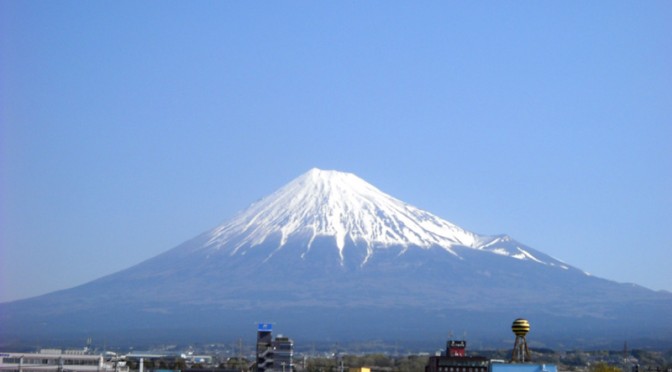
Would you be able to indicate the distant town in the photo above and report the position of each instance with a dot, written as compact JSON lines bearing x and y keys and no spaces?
{"x":279,"y":353}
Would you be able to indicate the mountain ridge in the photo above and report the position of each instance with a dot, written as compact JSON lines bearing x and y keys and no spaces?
{"x":292,"y":257}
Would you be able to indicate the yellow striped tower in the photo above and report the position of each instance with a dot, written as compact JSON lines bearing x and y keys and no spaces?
{"x":520,"y":353}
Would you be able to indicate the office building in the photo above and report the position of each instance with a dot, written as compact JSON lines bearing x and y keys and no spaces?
{"x":273,"y":354}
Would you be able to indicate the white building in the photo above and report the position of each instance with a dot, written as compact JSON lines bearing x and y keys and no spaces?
{"x":56,"y":361}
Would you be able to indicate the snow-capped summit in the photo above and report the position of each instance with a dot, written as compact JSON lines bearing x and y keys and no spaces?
{"x":326,"y":203}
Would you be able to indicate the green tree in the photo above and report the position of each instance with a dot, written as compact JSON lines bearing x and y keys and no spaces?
{"x":240,"y":364}
{"x":411,"y":363}
{"x":603,"y":367}
{"x":321,"y":365}
{"x":180,"y":364}
{"x":148,"y":364}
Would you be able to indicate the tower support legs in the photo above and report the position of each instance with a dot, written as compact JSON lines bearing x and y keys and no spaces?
{"x":521,"y":353}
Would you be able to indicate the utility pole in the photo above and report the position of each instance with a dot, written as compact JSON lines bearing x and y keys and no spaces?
{"x":241,"y":355}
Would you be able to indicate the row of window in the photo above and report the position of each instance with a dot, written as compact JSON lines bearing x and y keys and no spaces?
{"x":461,"y":364}
{"x":463,"y":369}
{"x":67,"y":362}
{"x":46,"y":369}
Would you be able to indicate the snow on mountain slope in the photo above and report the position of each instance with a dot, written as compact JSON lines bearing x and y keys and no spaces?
{"x":341,"y":205}
{"x":422,"y":275}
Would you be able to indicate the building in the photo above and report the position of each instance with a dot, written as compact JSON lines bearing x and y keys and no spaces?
{"x":454,"y":359}
{"x":522,"y":367}
{"x":283,"y":354}
{"x":273,"y":355}
{"x":264,"y":347}
{"x":57,"y":361}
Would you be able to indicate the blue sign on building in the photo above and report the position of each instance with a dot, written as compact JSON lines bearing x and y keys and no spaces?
{"x":265,"y":327}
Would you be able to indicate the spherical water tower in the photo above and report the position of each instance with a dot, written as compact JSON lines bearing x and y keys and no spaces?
{"x":520,"y":353}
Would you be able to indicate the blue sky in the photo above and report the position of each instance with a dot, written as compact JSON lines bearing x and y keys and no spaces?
{"x":127,"y":127}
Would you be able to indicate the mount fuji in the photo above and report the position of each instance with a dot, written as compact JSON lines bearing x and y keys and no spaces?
{"x":330,"y":257}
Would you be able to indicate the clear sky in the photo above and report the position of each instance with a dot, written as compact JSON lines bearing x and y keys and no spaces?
{"x":129,"y":127}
